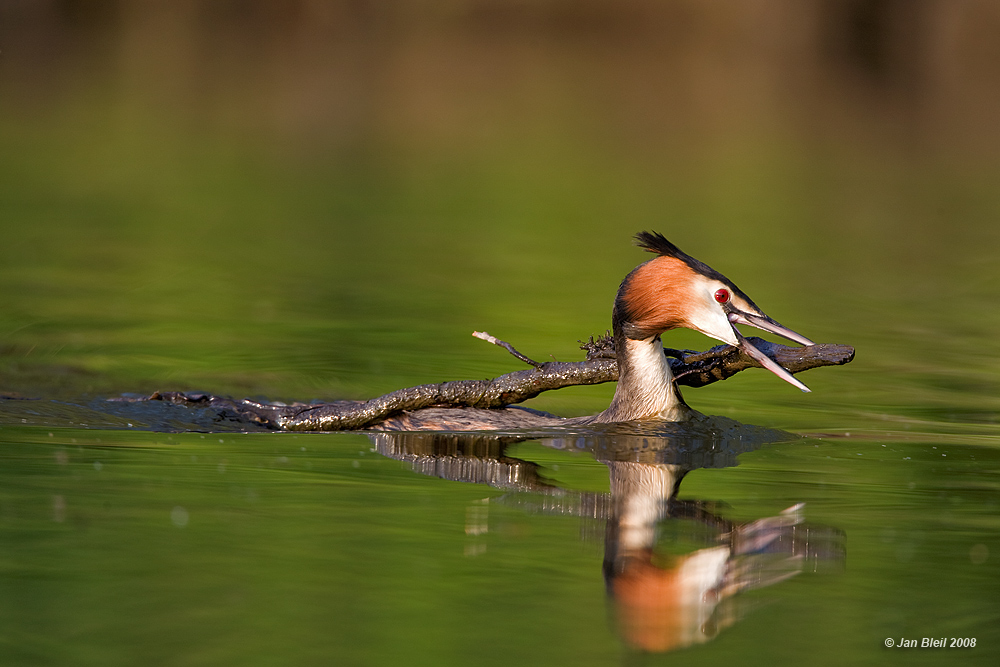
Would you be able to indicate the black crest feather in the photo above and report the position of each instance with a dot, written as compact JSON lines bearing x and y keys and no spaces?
{"x":656,"y":242}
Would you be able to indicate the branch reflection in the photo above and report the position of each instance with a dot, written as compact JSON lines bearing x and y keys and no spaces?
{"x":664,"y":597}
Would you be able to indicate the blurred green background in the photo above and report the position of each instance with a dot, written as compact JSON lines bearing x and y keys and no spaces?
{"x":323,"y":199}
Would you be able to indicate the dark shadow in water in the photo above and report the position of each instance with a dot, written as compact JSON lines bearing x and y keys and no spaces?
{"x":661,"y":601}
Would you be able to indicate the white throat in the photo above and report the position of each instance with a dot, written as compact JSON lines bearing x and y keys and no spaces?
{"x":645,"y":385}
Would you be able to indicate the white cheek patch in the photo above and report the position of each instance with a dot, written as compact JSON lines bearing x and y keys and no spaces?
{"x":709,"y":318}
{"x":705,"y":314}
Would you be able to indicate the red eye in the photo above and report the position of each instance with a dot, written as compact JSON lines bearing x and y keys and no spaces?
{"x":722,"y":296}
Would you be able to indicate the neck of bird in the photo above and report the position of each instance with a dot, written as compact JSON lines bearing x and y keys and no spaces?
{"x":646,"y":387}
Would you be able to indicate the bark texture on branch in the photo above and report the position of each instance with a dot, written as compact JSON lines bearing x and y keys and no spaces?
{"x":690,"y":369}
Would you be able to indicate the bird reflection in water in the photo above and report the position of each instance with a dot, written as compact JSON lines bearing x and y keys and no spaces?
{"x":662,"y":601}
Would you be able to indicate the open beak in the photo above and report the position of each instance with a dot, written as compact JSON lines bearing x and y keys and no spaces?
{"x":766,"y":324}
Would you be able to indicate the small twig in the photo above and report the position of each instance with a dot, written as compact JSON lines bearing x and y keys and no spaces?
{"x":482,"y":335}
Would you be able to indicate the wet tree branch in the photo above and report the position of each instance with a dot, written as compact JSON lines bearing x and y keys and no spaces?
{"x":690,"y":369}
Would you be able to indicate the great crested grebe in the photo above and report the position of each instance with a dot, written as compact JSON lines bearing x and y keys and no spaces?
{"x":670,"y":291}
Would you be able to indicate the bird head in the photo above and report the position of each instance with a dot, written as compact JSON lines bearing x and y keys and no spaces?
{"x":675,"y":290}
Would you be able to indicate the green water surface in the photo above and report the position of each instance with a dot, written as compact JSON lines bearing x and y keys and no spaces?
{"x":155,"y":257}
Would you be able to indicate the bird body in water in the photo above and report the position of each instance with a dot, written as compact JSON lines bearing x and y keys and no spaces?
{"x":672,"y":290}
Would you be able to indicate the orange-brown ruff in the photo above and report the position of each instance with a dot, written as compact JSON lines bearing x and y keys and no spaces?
{"x":657,"y":294}
{"x":670,"y":291}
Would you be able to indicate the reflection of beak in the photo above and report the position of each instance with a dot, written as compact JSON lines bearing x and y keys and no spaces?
{"x":767,"y":324}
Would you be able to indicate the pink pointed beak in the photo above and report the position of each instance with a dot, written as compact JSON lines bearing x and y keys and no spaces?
{"x":767,"y":324}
